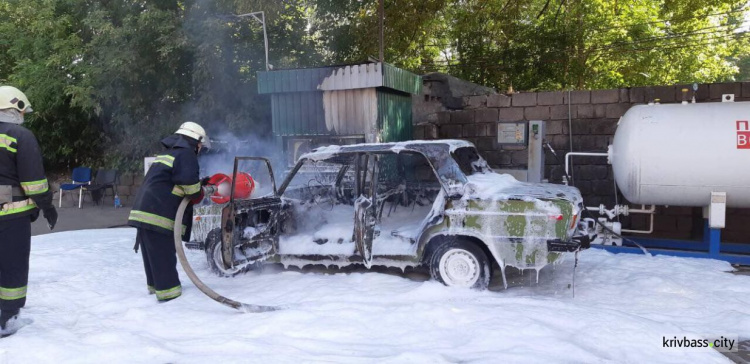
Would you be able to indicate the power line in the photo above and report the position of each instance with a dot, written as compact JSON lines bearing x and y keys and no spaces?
{"x":625,"y":45}
{"x":743,"y":9}
{"x":711,"y":41}
{"x":675,"y":35}
{"x":485,"y":64}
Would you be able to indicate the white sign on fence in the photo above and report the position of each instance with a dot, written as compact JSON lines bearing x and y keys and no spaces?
{"x":147,"y":162}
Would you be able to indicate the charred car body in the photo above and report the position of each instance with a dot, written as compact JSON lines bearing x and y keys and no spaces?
{"x":430,"y":203}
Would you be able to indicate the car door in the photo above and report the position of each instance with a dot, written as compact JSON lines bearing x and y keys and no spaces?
{"x":364,"y":206}
{"x":233,"y":224}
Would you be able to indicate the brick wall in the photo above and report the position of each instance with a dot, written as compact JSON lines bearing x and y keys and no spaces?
{"x":128,"y":187}
{"x":594,"y":115}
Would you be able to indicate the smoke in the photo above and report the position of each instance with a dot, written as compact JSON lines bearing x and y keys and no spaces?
{"x":227,"y":54}
{"x":226,"y":146}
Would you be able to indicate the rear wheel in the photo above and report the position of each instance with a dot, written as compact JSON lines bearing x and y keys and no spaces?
{"x":460,"y":263}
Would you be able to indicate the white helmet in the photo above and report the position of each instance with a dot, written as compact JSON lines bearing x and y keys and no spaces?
{"x":13,"y":98}
{"x":194,"y":131}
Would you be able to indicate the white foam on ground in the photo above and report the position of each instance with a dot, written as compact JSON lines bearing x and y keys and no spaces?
{"x":88,"y":299}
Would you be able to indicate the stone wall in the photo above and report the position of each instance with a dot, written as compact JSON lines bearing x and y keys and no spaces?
{"x":593,"y":120}
{"x":127,"y":188}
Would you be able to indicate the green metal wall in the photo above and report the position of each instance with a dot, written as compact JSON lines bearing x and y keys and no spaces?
{"x":298,"y":113}
{"x":401,"y":80}
{"x":394,"y":116}
{"x":342,"y":100}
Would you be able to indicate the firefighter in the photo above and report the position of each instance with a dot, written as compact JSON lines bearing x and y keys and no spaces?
{"x":24,"y":190}
{"x":173,"y":175}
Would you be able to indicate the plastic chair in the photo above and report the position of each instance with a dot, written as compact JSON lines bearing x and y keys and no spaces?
{"x":81,"y":177}
{"x":106,"y":179}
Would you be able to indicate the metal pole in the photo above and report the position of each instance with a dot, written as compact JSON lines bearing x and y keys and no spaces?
{"x":262,"y":21}
{"x":265,"y":36}
{"x":380,"y":22}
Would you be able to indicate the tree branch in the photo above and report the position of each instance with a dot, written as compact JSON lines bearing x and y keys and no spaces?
{"x":543,"y":9}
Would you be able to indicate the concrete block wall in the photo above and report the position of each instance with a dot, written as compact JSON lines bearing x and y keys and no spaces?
{"x":591,"y":117}
{"x":126,"y":190}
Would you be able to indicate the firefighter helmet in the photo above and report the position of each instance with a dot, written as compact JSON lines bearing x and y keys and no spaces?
{"x":13,"y":98}
{"x":194,"y":131}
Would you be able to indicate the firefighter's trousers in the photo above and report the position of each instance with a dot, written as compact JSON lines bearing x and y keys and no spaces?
{"x":160,"y":264}
{"x":15,"y":245}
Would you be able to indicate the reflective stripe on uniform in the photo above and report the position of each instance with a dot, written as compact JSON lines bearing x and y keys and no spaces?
{"x":151,"y":289}
{"x":178,"y":191}
{"x":17,"y":207}
{"x":191,"y":189}
{"x":182,"y":190}
{"x":35,"y":187}
{"x":153,"y":219}
{"x":8,"y":294}
{"x":5,"y":142}
{"x":169,"y":293}
{"x":165,"y":159}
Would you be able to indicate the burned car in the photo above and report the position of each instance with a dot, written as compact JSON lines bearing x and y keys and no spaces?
{"x":435,"y":204}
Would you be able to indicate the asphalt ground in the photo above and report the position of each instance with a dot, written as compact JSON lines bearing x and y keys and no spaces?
{"x":90,"y":216}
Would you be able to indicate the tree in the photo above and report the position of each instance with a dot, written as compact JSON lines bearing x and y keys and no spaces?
{"x":548,"y":44}
{"x":109,"y":77}
{"x":41,"y":54}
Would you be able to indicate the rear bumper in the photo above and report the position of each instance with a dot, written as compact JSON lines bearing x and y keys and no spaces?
{"x":576,"y":243}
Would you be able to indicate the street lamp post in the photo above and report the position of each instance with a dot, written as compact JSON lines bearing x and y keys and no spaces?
{"x":262,"y":21}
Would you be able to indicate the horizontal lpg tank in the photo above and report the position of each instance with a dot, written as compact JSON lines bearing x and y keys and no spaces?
{"x":678,"y":154}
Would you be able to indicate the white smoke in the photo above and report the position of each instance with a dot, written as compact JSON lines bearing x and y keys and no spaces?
{"x":227,"y":146}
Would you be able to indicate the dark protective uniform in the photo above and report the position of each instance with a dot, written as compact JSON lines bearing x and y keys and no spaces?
{"x":173,"y":175}
{"x":21,"y":168}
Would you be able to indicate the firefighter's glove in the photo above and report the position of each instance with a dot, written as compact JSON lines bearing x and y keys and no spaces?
{"x":204,"y":181}
{"x":51,"y":215}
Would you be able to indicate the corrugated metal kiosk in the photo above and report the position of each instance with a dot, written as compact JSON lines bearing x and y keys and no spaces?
{"x":340,"y":105}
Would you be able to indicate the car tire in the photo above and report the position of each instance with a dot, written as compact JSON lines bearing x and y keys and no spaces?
{"x":460,"y":263}
{"x":213,"y":255}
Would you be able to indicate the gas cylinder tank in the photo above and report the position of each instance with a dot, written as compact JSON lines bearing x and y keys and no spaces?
{"x":244,"y":187}
{"x":678,"y":154}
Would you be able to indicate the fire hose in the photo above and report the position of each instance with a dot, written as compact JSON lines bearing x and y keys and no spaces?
{"x":243,"y":307}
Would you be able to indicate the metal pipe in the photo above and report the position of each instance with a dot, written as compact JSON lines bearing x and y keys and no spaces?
{"x":381,"y":15}
{"x":568,"y":155}
{"x":649,"y":231}
{"x":643,"y":210}
{"x":570,"y":133}
{"x":265,"y":36}
{"x":262,"y":21}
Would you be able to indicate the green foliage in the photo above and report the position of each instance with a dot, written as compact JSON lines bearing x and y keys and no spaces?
{"x":109,"y":78}
{"x":541,"y":44}
{"x":545,"y":44}
{"x":40,"y":50}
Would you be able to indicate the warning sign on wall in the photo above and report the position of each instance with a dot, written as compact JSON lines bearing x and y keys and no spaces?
{"x":743,"y":134}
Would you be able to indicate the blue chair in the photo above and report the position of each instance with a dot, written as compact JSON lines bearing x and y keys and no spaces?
{"x":81,"y":177}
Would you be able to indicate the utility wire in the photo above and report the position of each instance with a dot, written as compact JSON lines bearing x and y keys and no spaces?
{"x":489,"y":61}
{"x":674,"y":19}
{"x":671,"y":36}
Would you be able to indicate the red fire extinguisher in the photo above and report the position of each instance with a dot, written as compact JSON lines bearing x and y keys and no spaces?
{"x":243,"y":187}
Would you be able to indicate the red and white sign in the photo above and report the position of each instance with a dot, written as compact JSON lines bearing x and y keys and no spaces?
{"x":743,"y":134}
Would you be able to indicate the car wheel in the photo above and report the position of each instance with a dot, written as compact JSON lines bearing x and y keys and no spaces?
{"x":460,"y":263}
{"x":213,"y":256}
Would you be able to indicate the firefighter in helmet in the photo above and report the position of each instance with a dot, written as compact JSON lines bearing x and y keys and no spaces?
{"x":24,"y":190}
{"x":173,"y":176}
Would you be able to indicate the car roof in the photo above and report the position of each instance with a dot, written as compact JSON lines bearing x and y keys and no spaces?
{"x":442,"y":145}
